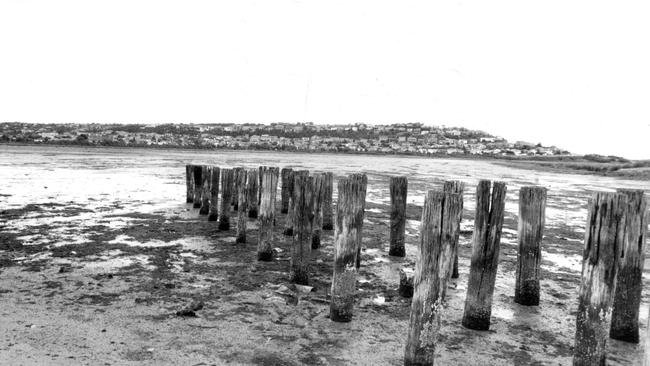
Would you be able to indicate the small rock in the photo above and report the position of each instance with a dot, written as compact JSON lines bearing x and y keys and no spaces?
{"x":187,"y":313}
{"x":292,"y":300}
{"x":65,"y":269}
{"x":190,"y":311}
{"x":300,"y":322}
{"x":304,"y":289}
{"x":283,"y":289}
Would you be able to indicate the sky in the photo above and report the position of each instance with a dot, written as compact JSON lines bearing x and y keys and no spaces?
{"x":575,"y":74}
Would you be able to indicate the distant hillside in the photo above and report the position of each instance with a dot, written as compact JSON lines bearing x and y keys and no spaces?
{"x":404,"y":138}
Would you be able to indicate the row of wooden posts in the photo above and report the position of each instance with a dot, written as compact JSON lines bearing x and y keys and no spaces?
{"x":610,"y":290}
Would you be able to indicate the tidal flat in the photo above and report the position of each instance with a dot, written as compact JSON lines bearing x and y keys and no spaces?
{"x":99,"y":251}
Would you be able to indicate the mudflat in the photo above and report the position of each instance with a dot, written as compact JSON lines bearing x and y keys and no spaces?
{"x":103,"y":263}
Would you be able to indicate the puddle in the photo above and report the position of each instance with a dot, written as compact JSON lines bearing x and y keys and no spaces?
{"x":190,"y":243}
{"x":111,"y":264}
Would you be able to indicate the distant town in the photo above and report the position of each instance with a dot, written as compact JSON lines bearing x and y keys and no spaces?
{"x":404,"y":138}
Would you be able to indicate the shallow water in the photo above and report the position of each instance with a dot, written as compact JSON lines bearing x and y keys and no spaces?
{"x":154,"y":179}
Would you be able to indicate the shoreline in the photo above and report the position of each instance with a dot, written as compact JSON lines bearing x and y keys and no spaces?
{"x":560,"y":164}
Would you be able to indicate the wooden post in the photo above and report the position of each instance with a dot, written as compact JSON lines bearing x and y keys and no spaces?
{"x":604,"y":244}
{"x":439,"y":221}
{"x":625,"y":312}
{"x":347,"y":234}
{"x":455,"y":186}
{"x":242,"y":213}
{"x":205,"y":188}
{"x":317,"y":222}
{"x":646,"y":352}
{"x":288,"y":230}
{"x":406,"y":282}
{"x":253,"y":188}
{"x":532,"y":208}
{"x":235,"y":190}
{"x":398,"y":191}
{"x":213,"y":214}
{"x":268,"y":189}
{"x":485,"y":255}
{"x":328,"y":212}
{"x":364,"y":180}
{"x":287,"y":189}
{"x":303,"y":214}
{"x":259,"y":191}
{"x":452,"y":211}
{"x":188,"y":182}
{"x":198,"y":184}
{"x":227,"y":179}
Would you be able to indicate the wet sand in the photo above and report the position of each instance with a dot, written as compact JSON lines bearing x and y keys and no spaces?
{"x":98,"y":251}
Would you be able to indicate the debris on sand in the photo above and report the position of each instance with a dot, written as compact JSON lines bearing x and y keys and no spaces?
{"x":65,"y":269}
{"x":304,"y":289}
{"x":190,"y":310}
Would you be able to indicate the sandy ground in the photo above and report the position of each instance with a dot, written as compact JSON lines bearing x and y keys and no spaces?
{"x":112,"y":297}
{"x":99,"y":281}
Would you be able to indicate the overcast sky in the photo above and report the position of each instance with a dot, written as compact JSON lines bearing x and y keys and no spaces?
{"x":575,"y":74}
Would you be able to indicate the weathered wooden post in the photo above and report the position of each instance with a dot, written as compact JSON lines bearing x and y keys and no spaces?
{"x":213,"y":213}
{"x":227,"y":179}
{"x":259,"y":191}
{"x":455,"y":186}
{"x":317,"y":222}
{"x":287,"y":189}
{"x":532,"y":208}
{"x":604,"y":244}
{"x":242,"y":213}
{"x":303,"y":214}
{"x":364,"y":179}
{"x":205,"y":187}
{"x":328,"y":213}
{"x":431,"y":274}
{"x":288,"y":229}
{"x":347,"y":234}
{"x":452,"y":211}
{"x":398,"y":191}
{"x":253,"y":188}
{"x":235,"y":190}
{"x":188,"y":182}
{"x":485,"y":254}
{"x":268,"y":189}
{"x":625,"y":312}
{"x":198,"y":186}
{"x":646,"y":352}
{"x":406,"y":276}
